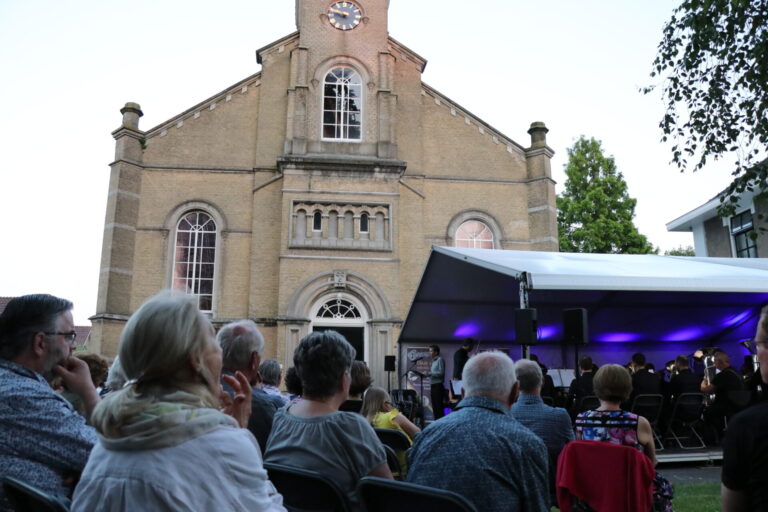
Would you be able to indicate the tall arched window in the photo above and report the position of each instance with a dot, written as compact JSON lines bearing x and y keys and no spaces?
{"x":194,"y":257}
{"x":474,"y":234}
{"x":342,"y":104}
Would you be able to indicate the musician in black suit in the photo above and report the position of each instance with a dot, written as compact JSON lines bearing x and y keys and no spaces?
{"x":683,"y":380}
{"x":726,"y":381}
{"x":644,"y":382}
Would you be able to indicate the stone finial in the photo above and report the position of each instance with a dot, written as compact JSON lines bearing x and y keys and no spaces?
{"x":538,"y":132}
{"x":131,"y":114}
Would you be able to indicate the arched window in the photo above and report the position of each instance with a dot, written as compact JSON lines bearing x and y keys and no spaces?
{"x":364,"y":223}
{"x":342,"y":104}
{"x":194,"y":257}
{"x":338,"y":309}
{"x":474,"y":234}
{"x":317,"y":221}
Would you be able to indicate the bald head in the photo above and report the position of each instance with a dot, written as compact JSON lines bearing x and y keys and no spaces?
{"x":490,"y":374}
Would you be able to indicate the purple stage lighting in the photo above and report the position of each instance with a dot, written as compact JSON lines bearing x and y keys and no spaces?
{"x":466,"y":330}
{"x":732,"y":320}
{"x":618,"y":337}
{"x":692,"y":333}
{"x":547,"y":331}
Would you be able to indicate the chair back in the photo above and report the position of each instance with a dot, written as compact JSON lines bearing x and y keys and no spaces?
{"x":740,"y":399}
{"x":589,"y":403}
{"x":586,"y":468}
{"x":393,"y":438}
{"x":687,"y":408}
{"x":304,"y":490}
{"x":28,"y":498}
{"x":649,"y":407}
{"x":382,"y":495}
{"x":393,"y":462}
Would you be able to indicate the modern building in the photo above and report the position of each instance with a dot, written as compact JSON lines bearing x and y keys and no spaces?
{"x":726,"y":237}
{"x":307,"y":195}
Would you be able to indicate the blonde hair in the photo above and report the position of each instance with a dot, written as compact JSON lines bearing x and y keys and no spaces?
{"x":373,"y":402}
{"x":612,"y":383}
{"x":161,"y":351}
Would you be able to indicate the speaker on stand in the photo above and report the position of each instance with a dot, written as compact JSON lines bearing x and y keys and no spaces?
{"x":389,"y":367}
{"x":575,"y":331}
{"x":525,"y":330}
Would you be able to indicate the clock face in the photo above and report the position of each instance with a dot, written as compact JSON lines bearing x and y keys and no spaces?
{"x":344,"y":15}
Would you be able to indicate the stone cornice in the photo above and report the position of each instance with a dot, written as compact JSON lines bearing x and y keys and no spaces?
{"x":546,"y":151}
{"x":407,"y":53}
{"x":275,"y":46}
{"x":341,"y":164}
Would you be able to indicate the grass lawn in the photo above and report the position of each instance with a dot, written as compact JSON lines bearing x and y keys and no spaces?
{"x":698,"y":497}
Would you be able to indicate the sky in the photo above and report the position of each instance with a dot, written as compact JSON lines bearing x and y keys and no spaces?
{"x":69,"y":66}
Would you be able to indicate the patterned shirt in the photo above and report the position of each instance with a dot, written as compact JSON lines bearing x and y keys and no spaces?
{"x":483,"y":453}
{"x":618,"y":427}
{"x":42,"y":439}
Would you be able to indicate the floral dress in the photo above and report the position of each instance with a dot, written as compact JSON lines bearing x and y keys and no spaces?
{"x":620,"y":427}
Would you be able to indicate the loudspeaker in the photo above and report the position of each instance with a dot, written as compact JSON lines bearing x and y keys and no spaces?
{"x":389,"y":363}
{"x":525,"y":327}
{"x":575,"y":326}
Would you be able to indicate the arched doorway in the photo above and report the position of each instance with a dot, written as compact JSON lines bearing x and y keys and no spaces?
{"x":347,"y":315}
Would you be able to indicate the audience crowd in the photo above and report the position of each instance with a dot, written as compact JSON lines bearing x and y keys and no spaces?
{"x":186,"y":418}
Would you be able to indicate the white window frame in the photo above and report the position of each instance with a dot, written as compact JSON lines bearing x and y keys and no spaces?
{"x":323,"y":110}
{"x":475,"y":241}
{"x":194,"y":249}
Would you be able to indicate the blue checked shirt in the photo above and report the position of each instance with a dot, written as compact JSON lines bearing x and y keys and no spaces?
{"x":42,"y":439}
{"x":481,"y":452}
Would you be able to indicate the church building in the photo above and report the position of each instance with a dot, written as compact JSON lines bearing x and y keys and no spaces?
{"x":307,"y":195}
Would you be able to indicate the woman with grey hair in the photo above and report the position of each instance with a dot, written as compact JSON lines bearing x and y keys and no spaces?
{"x":156,"y":431}
{"x":313,"y":433}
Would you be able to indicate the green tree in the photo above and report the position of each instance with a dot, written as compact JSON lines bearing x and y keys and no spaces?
{"x":681,"y":251}
{"x":713,"y":60}
{"x":595,"y":211}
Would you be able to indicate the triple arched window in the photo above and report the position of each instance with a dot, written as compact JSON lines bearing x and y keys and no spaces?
{"x":195,"y":257}
{"x":342,"y":104}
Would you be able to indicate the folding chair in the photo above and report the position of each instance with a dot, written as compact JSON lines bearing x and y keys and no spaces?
{"x":393,"y":461}
{"x":589,"y":403}
{"x":686,"y":413}
{"x":398,"y":443}
{"x":382,"y":495}
{"x":28,"y":498}
{"x":649,"y":407}
{"x":306,"y":491}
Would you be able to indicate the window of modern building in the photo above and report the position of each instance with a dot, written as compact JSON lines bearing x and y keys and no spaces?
{"x":342,"y":105}
{"x":194,"y":257}
{"x":474,"y":235}
{"x":741,"y":231}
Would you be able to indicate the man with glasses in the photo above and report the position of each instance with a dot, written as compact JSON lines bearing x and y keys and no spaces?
{"x":745,"y":447}
{"x":44,"y":442}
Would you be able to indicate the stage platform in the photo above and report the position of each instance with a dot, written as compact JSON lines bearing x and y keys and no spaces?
{"x":674,"y":455}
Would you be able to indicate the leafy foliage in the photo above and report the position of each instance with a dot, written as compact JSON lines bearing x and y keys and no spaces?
{"x":714,"y":61}
{"x":681,"y":251}
{"x":595,"y":211}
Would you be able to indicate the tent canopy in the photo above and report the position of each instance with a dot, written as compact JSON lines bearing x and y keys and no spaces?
{"x":629,"y":298}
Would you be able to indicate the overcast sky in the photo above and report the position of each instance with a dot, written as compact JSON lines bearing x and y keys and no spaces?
{"x":69,"y":66}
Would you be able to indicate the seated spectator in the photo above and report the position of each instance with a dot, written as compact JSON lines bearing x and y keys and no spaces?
{"x":164,"y":443}
{"x":115,"y":377}
{"x":380,"y":413}
{"x":242,"y":346}
{"x":98,"y":368}
{"x":548,"y":383}
{"x":271,"y":374}
{"x":551,"y":424}
{"x":608,"y":423}
{"x":361,"y":380}
{"x":44,"y":442}
{"x":480,"y":450}
{"x":293,"y":385}
{"x":313,"y":433}
{"x":745,"y":450}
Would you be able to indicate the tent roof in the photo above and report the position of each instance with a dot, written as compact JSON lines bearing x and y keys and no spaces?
{"x":473,"y":292}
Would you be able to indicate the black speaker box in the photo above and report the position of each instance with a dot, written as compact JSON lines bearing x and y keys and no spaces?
{"x":389,"y":363}
{"x":575,"y":326}
{"x":525,"y":327}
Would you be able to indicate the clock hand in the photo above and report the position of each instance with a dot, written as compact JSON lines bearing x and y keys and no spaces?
{"x":335,"y":11}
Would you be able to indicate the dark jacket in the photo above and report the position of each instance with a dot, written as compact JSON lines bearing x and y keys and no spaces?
{"x":684,"y":382}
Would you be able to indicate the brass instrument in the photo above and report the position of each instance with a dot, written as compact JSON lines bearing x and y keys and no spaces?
{"x":709,"y":371}
{"x":749,"y":345}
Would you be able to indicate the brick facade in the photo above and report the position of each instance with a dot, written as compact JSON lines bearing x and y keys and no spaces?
{"x":252,"y":157}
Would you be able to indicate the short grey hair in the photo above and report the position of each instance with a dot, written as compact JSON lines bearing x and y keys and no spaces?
{"x":238,"y":341}
{"x":270,"y":372}
{"x":490,"y":374}
{"x":529,"y":375}
{"x":116,"y":376}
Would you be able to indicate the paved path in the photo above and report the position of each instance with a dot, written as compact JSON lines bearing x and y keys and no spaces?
{"x":685,"y":473}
